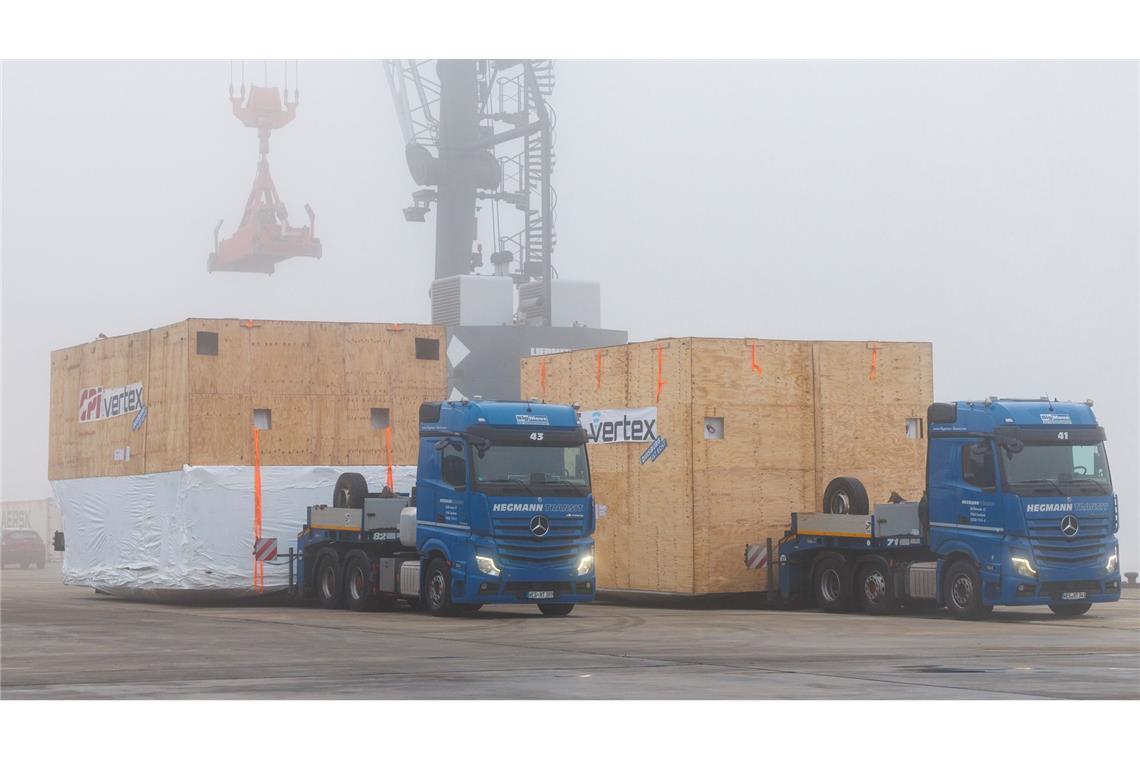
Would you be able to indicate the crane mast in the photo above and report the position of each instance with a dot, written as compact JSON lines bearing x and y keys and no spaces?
{"x":456,"y":115}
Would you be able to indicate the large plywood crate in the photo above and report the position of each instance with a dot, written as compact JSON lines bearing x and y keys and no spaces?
{"x":754,"y":429}
{"x":329,"y":390}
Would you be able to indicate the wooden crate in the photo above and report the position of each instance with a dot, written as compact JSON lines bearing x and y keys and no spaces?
{"x":202,"y":379}
{"x":794,"y":415}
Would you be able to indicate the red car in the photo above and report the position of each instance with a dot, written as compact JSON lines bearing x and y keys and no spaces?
{"x":23,"y":548}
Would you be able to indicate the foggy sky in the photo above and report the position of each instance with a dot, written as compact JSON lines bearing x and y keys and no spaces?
{"x":990,"y":208}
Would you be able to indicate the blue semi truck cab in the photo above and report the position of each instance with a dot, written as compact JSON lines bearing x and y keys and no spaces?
{"x":1018,"y":510}
{"x":502,"y":512}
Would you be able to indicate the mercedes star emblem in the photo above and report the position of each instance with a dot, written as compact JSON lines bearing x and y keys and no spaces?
{"x":539,"y":525}
{"x":1069,"y":525}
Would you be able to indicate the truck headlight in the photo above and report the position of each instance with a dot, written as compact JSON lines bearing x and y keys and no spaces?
{"x":586,"y":564}
{"x":1023,"y":567}
{"x":1110,"y":566}
{"x":486,"y":565}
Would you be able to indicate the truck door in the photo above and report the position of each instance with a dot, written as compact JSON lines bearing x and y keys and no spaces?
{"x":442,"y":484}
{"x":963,"y":484}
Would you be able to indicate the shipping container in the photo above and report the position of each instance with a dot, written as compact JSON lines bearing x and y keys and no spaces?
{"x":701,"y":445}
{"x":191,"y":393}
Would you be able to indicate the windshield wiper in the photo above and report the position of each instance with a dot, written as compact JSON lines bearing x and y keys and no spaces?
{"x":522,"y":483}
{"x":505,"y":482}
{"x":1091,"y":481}
{"x":580,"y":490}
{"x":1053,"y":483}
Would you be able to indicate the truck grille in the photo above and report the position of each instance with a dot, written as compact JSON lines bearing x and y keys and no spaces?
{"x":1052,"y":548}
{"x":519,"y":547}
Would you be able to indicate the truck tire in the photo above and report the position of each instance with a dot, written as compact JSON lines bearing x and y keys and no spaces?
{"x":437,"y":589}
{"x":328,"y":582}
{"x":349,"y":491}
{"x":358,"y":593}
{"x":875,"y":587}
{"x":962,"y":591}
{"x":831,"y":583}
{"x":1070,"y":610}
{"x":845,"y":496}
{"x":555,"y":610}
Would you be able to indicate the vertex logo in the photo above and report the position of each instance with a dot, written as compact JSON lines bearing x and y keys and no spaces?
{"x":623,"y":430}
{"x":99,"y":403}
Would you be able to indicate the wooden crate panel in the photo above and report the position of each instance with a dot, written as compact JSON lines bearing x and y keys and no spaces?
{"x":201,"y":393}
{"x":168,"y":400}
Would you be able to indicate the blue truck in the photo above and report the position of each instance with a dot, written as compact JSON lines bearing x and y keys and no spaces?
{"x":1018,"y":510}
{"x":501,"y":513}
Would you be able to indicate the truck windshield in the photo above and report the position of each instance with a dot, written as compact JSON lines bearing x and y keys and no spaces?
{"x":1058,"y":468}
{"x":533,"y":469}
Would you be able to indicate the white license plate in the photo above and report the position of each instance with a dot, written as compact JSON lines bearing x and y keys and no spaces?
{"x":1070,"y":595}
{"x":540,"y":595}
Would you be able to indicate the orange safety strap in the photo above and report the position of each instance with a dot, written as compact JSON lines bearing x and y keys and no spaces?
{"x":755,"y":364}
{"x":247,"y":323}
{"x":874,"y":360}
{"x":660,"y":382}
{"x":395,"y":327}
{"x":598,"y":372}
{"x":542,"y":375}
{"x":258,"y":567}
{"x":388,"y":449}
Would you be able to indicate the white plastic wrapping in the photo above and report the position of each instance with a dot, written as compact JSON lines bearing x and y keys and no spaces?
{"x":164,"y":534}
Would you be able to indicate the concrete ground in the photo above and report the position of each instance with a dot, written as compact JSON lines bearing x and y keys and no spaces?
{"x":58,"y":642}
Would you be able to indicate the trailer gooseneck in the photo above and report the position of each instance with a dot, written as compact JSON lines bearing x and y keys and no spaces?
{"x":1018,"y":510}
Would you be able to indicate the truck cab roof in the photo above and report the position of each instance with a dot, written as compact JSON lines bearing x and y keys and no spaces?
{"x":985,"y":416}
{"x":459,"y":416}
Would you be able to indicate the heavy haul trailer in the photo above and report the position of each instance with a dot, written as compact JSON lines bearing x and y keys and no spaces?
{"x":1019,"y":510}
{"x":502,"y":513}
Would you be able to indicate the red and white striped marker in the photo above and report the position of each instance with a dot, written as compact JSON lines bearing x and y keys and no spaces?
{"x":755,"y":556}
{"x":265,"y":549}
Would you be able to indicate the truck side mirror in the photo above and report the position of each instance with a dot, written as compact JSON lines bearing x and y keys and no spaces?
{"x":57,"y":541}
{"x":454,"y":470}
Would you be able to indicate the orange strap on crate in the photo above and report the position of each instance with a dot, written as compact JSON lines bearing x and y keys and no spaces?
{"x":542,"y":375}
{"x":258,"y":567}
{"x":388,"y":449}
{"x":660,"y":381}
{"x":755,"y":364}
{"x":874,"y":361}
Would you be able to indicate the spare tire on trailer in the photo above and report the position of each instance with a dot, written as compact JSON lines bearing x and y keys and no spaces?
{"x":845,"y":496}
{"x":349,"y":491}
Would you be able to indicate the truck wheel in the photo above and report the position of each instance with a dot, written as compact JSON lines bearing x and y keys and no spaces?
{"x":831,"y":580}
{"x":437,"y":589}
{"x":328,"y":582}
{"x":875,"y":587}
{"x":845,"y":496}
{"x":358,"y":584}
{"x":1070,"y":610}
{"x":962,"y":590}
{"x":555,"y":610}
{"x":349,"y":491}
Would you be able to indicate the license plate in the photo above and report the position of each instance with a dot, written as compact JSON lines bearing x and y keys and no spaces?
{"x":540,"y":595}
{"x":1070,"y":595}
